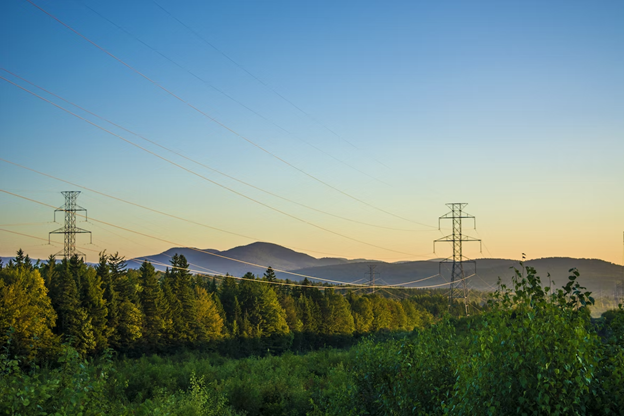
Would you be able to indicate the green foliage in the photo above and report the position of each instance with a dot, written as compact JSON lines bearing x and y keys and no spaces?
{"x":199,"y":400}
{"x":74,"y":387}
{"x":271,"y":385}
{"x":532,"y":350}
{"x":336,"y":318}
{"x":152,"y":301}
{"x":26,"y":313}
{"x":408,"y":376}
{"x":209,"y":322}
{"x":535,"y":353}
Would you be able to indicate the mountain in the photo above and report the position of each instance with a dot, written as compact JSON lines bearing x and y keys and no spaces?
{"x":596,"y":274}
{"x":263,"y":254}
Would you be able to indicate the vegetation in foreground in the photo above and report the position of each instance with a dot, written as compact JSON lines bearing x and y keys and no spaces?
{"x":530,"y":352}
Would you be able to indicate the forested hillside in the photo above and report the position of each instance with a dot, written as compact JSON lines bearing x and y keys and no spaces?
{"x":531,"y":350}
{"x":144,"y":311}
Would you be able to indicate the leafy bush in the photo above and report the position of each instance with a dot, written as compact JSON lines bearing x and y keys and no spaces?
{"x":535,"y":353}
{"x":75,"y":387}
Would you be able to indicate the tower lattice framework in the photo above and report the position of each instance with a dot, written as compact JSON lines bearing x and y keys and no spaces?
{"x":458,"y":286}
{"x":69,"y":228}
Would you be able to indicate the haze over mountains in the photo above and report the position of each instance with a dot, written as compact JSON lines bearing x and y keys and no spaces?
{"x":595,"y":274}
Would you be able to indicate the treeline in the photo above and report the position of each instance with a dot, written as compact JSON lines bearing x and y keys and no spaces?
{"x":146,"y":311}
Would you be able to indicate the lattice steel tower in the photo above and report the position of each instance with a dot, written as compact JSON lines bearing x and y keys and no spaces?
{"x":371,"y":279}
{"x":458,"y":287}
{"x":69,"y":229}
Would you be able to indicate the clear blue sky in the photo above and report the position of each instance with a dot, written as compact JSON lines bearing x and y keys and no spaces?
{"x":513,"y":107}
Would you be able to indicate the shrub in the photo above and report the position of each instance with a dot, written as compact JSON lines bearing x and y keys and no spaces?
{"x":535,"y":353}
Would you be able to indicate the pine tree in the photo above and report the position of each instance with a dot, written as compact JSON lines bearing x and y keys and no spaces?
{"x":73,"y":321}
{"x":212,"y":288}
{"x":272,"y":317}
{"x":129,"y":317}
{"x":362,"y":314}
{"x":309,"y":313}
{"x":288,"y":304}
{"x":184,"y":320}
{"x":50,"y":277}
{"x":269,"y":275}
{"x":228,"y":294}
{"x":93,"y":302}
{"x":169,"y":310}
{"x":151,"y":301}
{"x":111,"y":299}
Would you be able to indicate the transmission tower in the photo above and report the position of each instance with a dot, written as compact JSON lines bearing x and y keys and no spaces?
{"x":458,"y":286}
{"x":371,"y":279}
{"x":69,"y":229}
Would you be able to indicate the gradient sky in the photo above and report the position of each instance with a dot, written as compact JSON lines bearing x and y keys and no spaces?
{"x":516,"y":108}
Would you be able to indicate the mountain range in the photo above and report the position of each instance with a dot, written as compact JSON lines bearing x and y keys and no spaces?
{"x":596,"y":274}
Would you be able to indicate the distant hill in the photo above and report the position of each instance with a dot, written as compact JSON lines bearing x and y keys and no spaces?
{"x":595,"y":274}
{"x":264,"y":254}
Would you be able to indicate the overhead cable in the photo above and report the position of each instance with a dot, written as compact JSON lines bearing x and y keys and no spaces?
{"x":225,"y":94}
{"x":225,"y":257}
{"x":219,"y":122}
{"x":205,"y":178}
{"x":200,"y":37}
{"x":206,"y":166}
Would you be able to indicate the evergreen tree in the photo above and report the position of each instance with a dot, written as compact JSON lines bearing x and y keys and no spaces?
{"x":240,"y":324}
{"x":212,"y":288}
{"x":129,"y":317}
{"x":170,"y":308}
{"x":73,"y":321}
{"x":416,"y":318}
{"x":272,"y":317}
{"x":309,"y":314}
{"x":362,"y":314}
{"x":228,"y":294}
{"x":50,"y":276}
{"x":269,"y":275}
{"x":93,"y":302}
{"x":111,"y":299}
{"x":288,"y":304}
{"x":336,"y":314}
{"x":181,"y":300}
{"x":261,"y":307}
{"x":382,"y":316}
{"x":399,"y":318}
{"x":151,"y":301}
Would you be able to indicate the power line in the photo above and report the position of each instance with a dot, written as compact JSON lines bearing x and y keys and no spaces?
{"x":206,"y":166}
{"x":229,"y":258}
{"x":147,"y":208}
{"x":225,"y":94}
{"x":226,"y":56}
{"x":457,"y":238}
{"x":215,"y":120}
{"x":178,"y":244}
{"x":69,"y":229}
{"x":203,"y":177}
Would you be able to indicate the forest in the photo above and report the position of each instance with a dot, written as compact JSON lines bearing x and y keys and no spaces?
{"x":105,"y":339}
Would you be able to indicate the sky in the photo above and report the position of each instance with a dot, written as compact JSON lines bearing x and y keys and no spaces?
{"x":338,"y":129}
